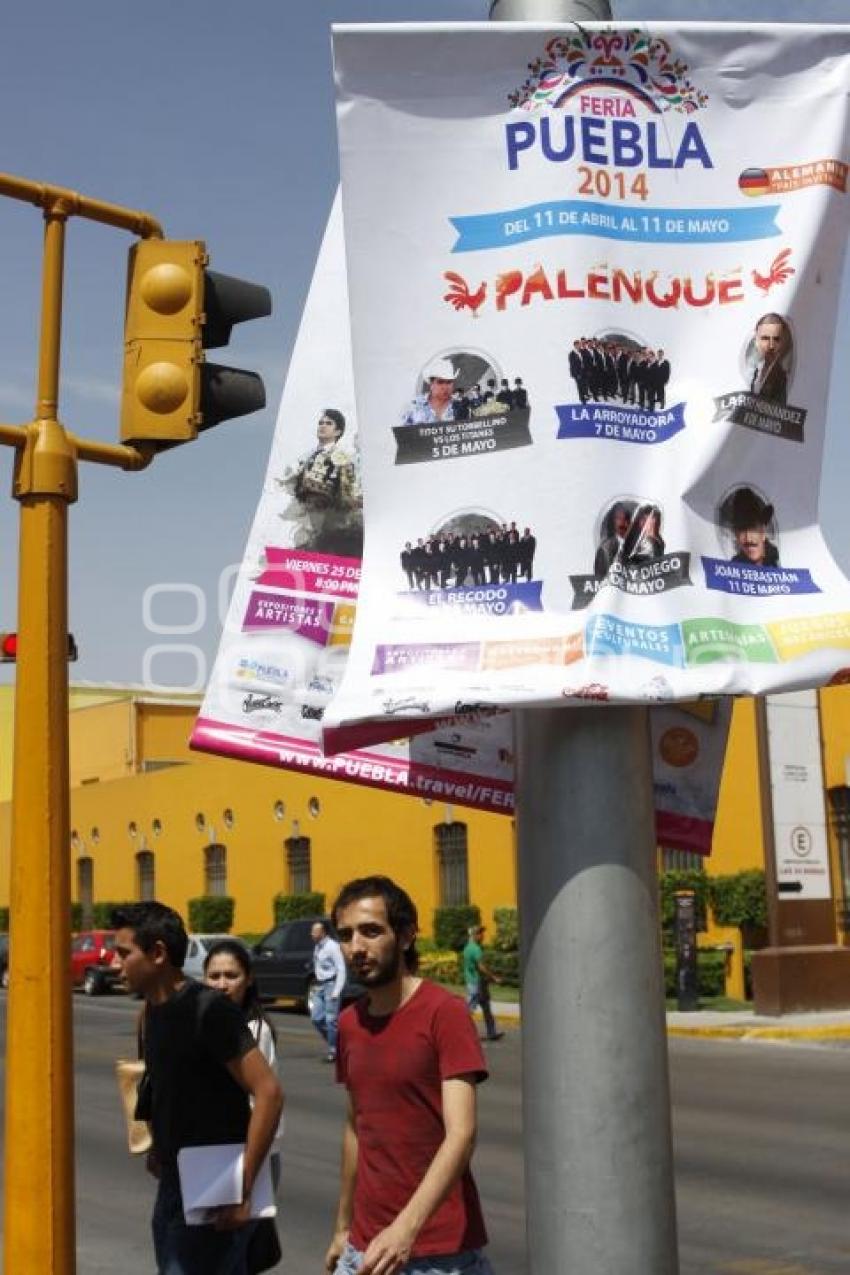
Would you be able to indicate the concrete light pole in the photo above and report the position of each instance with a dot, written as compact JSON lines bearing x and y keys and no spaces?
{"x":596,"y":1103}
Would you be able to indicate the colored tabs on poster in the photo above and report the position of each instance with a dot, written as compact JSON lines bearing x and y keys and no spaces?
{"x":529,"y":652}
{"x":607,"y":221}
{"x":343,"y":624}
{"x":609,"y":635}
{"x":799,"y":636}
{"x":309,"y":617}
{"x":623,"y":424}
{"x":405,"y":655}
{"x":753,"y":581}
{"x":710,"y":640}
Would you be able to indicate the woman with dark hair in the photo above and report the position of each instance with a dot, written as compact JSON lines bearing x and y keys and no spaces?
{"x":229,"y":969}
{"x":643,"y":542}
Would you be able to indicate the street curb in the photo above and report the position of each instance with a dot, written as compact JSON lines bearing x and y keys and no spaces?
{"x":746,"y":1031}
{"x":762,"y":1033}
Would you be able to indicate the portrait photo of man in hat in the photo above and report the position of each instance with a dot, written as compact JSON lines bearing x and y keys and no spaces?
{"x":435,"y":404}
{"x":749,"y":518}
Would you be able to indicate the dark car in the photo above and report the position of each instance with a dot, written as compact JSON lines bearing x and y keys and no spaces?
{"x":283,"y":963}
{"x":4,"y":960}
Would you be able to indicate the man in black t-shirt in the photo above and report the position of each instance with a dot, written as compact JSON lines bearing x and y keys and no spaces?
{"x":204,"y":1073}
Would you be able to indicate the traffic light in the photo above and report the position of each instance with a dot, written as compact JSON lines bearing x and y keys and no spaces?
{"x":176,"y":309}
{"x":9,"y":648}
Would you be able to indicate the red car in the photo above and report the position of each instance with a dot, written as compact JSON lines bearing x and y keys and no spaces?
{"x":92,"y":952}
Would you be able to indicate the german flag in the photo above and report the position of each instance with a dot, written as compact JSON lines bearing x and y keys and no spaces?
{"x":754,"y":181}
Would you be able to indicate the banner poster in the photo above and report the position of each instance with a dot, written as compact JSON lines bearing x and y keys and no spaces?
{"x":288,"y":630}
{"x":289,"y":624}
{"x":593,"y":277}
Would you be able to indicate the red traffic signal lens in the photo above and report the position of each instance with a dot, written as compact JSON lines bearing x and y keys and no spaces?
{"x":9,"y":647}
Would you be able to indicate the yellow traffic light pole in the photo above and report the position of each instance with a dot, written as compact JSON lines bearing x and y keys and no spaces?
{"x":39,"y":1232}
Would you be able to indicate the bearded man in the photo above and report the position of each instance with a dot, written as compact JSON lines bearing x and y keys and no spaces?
{"x":410,"y":1058}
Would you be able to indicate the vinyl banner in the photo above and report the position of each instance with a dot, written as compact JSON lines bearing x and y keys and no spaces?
{"x":288,"y":630}
{"x":593,"y":277}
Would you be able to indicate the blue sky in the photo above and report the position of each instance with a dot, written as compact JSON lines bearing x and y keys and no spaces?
{"x":219,"y":120}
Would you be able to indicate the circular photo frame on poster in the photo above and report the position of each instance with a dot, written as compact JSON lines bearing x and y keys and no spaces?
{"x":747,"y":525}
{"x":767,"y":358}
{"x":463,"y":404}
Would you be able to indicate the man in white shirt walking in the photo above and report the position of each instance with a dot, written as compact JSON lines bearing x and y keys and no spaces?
{"x":329,"y":971}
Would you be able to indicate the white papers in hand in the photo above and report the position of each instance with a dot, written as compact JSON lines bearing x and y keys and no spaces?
{"x":212,"y":1176}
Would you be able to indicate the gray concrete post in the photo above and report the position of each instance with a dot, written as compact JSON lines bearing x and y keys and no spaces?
{"x":596,"y":1100}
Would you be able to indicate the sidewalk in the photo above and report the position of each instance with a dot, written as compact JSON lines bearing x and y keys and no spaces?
{"x":831,"y":1024}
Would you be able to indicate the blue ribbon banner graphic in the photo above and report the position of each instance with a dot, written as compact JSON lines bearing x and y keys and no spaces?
{"x":486,"y":599}
{"x":621,"y":424}
{"x":753,"y":581}
{"x":607,"y":221}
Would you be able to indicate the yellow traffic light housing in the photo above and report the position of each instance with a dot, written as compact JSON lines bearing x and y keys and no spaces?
{"x":175,"y":309}
{"x":160,"y":400}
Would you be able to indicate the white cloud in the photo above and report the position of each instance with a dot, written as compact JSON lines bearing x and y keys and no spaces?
{"x":95,"y":389}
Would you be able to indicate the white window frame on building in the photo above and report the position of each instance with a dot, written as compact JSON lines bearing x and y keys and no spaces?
{"x":451,"y":845}
{"x":299,"y":870}
{"x":85,"y":888}
{"x":681,"y":860}
{"x":145,"y":875}
{"x":215,"y":869}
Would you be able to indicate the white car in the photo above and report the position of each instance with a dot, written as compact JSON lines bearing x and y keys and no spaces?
{"x":196,"y":953}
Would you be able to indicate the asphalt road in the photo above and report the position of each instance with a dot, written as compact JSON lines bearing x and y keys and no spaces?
{"x":762,"y":1154}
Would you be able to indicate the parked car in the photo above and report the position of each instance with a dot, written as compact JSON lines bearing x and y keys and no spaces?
{"x":4,"y":960}
{"x":283,"y":964}
{"x":92,"y":952}
{"x":196,"y":953}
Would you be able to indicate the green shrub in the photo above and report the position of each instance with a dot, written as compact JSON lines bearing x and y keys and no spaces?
{"x":506,"y":937}
{"x":442,"y":967}
{"x":293,"y":907}
{"x":748,"y":975}
{"x":101,"y":913}
{"x":740,"y":899}
{"x":505,"y":965}
{"x":76,"y":917}
{"x":250,"y":938}
{"x":451,"y":926}
{"x":4,"y":920}
{"x":711,"y":973}
{"x":211,"y":914}
{"x":683,"y":879}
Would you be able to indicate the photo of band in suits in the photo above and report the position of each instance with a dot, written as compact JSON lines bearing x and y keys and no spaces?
{"x":768,"y":358}
{"x":469,"y":550}
{"x":463,"y":386}
{"x":629,"y":533}
{"x":618,"y":367}
{"x":748,"y":522}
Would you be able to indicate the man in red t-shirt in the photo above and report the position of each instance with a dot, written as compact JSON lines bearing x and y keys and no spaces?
{"x":410,"y":1058}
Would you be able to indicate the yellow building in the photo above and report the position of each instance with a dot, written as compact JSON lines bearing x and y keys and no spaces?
{"x":150,"y":818}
